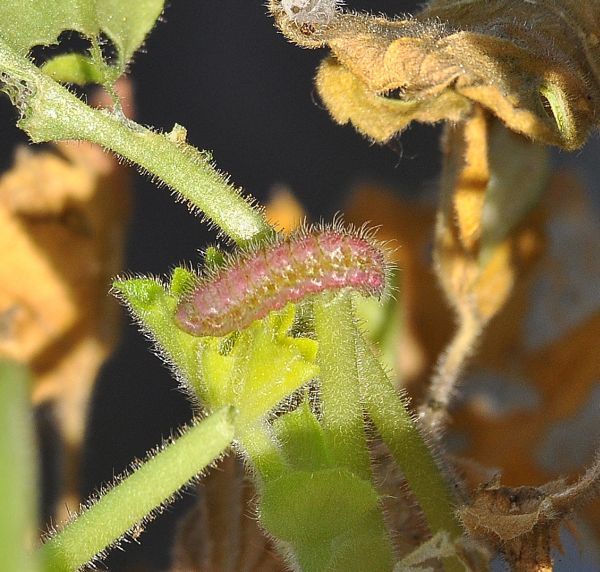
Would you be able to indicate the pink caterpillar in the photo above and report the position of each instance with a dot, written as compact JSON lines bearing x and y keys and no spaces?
{"x":266,"y":279}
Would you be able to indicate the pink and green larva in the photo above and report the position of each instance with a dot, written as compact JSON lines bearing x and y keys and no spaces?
{"x":267,"y":278}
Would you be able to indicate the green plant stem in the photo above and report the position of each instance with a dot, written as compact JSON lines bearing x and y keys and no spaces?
{"x":18,"y":486}
{"x":394,"y":423}
{"x":50,"y":112}
{"x":134,"y":498}
{"x":342,"y":418}
{"x":342,"y":413}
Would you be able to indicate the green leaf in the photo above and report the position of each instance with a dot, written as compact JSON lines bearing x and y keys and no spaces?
{"x":28,"y":23}
{"x":330,"y":517}
{"x":254,"y":370}
{"x":264,"y":366}
{"x":73,"y":68}
{"x":18,"y":498}
{"x":127,"y":23}
{"x":316,"y":506}
{"x":302,"y":439}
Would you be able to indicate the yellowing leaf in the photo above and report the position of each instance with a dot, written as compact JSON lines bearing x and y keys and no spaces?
{"x":540,"y":79}
{"x":62,"y":234}
{"x":283,"y":211}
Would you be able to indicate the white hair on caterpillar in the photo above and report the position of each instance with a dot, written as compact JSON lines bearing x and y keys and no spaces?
{"x":310,"y":11}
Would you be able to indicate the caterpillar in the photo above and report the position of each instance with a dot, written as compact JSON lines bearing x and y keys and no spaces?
{"x":310,"y":11}
{"x":259,"y":281}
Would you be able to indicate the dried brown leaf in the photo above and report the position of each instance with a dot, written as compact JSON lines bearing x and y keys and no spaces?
{"x":517,"y":521}
{"x":534,"y":64}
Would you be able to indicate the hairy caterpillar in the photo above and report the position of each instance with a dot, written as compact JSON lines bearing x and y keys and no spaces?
{"x":310,"y":11}
{"x":266,"y":279}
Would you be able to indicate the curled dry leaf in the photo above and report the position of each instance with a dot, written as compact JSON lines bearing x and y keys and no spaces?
{"x":524,"y":522}
{"x":534,"y":64}
{"x":519,"y":522}
{"x":491,"y":180}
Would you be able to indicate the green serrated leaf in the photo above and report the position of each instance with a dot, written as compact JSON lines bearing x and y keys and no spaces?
{"x":265,"y":366}
{"x":28,"y":23}
{"x":254,"y":370}
{"x":153,"y":307}
{"x":73,"y":68}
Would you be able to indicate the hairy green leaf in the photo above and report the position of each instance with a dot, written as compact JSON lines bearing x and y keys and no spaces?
{"x":302,"y":439}
{"x":339,"y":497}
{"x":253,"y":370}
{"x":28,"y":23}
{"x":263,"y":367}
{"x":331,"y":518}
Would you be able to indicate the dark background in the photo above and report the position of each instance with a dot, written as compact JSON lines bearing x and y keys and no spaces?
{"x":219,"y":68}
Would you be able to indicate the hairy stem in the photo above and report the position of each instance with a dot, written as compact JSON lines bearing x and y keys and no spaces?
{"x":342,"y":419}
{"x":342,"y":413}
{"x":49,"y":112}
{"x":451,"y":364}
{"x":130,"y":501}
{"x":397,"y":428}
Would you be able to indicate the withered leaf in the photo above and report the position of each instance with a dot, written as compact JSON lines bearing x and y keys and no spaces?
{"x":518,"y":521}
{"x":534,"y":64}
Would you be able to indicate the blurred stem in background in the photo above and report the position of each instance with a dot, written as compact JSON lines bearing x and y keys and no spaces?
{"x":18,"y":479}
